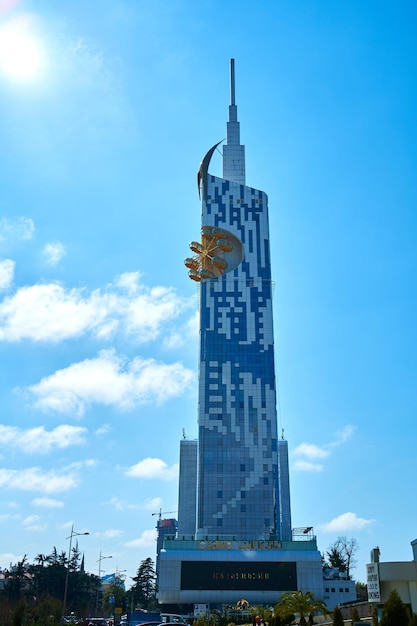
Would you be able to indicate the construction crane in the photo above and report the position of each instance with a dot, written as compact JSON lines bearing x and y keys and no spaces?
{"x":161,"y":513}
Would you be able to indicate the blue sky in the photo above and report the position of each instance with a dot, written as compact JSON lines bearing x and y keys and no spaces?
{"x":106,"y":110}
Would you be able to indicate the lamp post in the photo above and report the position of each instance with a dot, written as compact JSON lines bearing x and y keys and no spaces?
{"x":118,"y":576}
{"x":73,"y":534}
{"x":99,"y":576}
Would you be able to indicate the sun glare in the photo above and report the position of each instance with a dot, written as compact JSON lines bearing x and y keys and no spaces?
{"x":20,"y":51}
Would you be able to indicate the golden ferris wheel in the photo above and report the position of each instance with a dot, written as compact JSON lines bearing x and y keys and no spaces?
{"x":208,"y":260}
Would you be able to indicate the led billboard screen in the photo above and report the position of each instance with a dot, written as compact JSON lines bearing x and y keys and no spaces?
{"x":256,"y":576}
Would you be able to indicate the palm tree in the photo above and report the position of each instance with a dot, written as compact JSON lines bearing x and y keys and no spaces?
{"x":40,"y":559}
{"x":299,"y":603}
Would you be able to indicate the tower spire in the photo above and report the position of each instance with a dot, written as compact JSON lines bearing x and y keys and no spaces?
{"x":233,"y":151}
{"x":232,"y":81}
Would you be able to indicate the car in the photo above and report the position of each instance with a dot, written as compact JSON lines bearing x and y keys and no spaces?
{"x":97,"y":621}
{"x":172,"y":618}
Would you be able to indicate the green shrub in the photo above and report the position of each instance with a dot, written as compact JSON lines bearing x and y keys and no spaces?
{"x":394,"y":613}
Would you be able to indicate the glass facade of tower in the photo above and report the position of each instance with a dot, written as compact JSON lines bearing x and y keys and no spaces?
{"x":238,"y":489}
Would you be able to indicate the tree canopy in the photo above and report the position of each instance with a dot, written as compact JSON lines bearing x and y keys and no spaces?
{"x":143,"y":592}
{"x":34,"y":591}
{"x":341,"y":555}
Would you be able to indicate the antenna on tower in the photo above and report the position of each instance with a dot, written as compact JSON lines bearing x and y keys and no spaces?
{"x":232,"y":82}
{"x":233,"y":151}
{"x":183,"y":434}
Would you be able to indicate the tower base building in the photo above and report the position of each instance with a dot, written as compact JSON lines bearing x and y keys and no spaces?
{"x":220,"y":572}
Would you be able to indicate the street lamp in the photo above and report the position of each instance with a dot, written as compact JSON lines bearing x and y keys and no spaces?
{"x":119,"y":572}
{"x":73,"y":534}
{"x":99,"y":576}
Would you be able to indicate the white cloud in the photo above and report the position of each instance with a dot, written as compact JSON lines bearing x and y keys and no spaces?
{"x":53,"y":252}
{"x":78,"y":466}
{"x":112,"y":381}
{"x":145,"y":313}
{"x":16,"y":228}
{"x":69,"y":525}
{"x":35,"y":479}
{"x":47,"y":503}
{"x":6,"y":558}
{"x":49,"y":312}
{"x":111,"y":533}
{"x":8,"y":516}
{"x":184,"y":334}
{"x":153,"y":504}
{"x":103,"y":430}
{"x":306,"y":466}
{"x":120,"y":505}
{"x":146,"y":540}
{"x":31,"y":519}
{"x":6,"y":273}
{"x":129,"y":281}
{"x":345,"y":522}
{"x":39,"y":440}
{"x":343,"y":435}
{"x":33,"y":523}
{"x":152,"y":468}
{"x":312,"y":452}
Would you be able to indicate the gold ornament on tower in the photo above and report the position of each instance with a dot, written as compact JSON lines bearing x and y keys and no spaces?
{"x":209,"y":255}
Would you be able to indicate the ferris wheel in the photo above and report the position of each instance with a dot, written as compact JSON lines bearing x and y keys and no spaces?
{"x":208,"y":260}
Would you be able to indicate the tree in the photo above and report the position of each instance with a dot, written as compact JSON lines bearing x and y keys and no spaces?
{"x":301,"y":603}
{"x":17,"y":582}
{"x":349,"y":548}
{"x":39,"y":588}
{"x":336,"y":559}
{"x":355,"y":617}
{"x":143,"y":592}
{"x":394,"y":613}
{"x":46,"y":608}
{"x":361,"y":591}
{"x":19,"y":613}
{"x":337,"y":617}
{"x":341,"y":555}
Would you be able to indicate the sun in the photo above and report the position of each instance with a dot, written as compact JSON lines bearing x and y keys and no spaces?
{"x":20,"y":50}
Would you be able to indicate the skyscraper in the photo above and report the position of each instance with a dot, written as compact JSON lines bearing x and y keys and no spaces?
{"x":238,"y":469}
{"x":234,"y":515}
